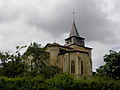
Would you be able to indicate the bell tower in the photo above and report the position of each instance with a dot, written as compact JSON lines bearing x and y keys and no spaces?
{"x":74,"y":37}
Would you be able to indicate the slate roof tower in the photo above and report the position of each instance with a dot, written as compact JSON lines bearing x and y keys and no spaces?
{"x":74,"y":37}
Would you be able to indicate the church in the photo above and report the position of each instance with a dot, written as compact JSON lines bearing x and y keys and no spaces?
{"x":73,"y":57}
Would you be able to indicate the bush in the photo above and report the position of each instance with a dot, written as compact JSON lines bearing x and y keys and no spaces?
{"x":97,"y":83}
{"x":22,"y":83}
{"x":59,"y":82}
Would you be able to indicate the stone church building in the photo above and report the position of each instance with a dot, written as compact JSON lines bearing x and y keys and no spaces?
{"x":73,"y":57}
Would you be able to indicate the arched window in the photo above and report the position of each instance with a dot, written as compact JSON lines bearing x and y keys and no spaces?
{"x":72,"y":67}
{"x":81,"y":67}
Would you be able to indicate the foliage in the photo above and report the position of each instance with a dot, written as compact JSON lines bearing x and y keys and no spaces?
{"x":39,"y":57}
{"x":50,"y":71}
{"x":22,"y":83}
{"x":61,"y":81}
{"x":34,"y":61}
{"x":12,"y":65}
{"x":40,"y":61}
{"x":112,"y":66}
{"x":58,"y":82}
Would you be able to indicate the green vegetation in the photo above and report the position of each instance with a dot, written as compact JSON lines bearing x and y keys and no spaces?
{"x":112,"y":67}
{"x":19,"y":65}
{"x":12,"y":64}
{"x":58,"y":82}
{"x":17,"y":74}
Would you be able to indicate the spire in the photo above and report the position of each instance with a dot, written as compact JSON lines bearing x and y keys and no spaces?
{"x":74,"y":31}
{"x":74,"y":37}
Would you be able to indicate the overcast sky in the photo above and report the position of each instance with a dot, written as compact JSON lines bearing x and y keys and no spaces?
{"x":46,"y":21}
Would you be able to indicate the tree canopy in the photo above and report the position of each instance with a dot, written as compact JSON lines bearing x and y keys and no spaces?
{"x":34,"y":61}
{"x":112,"y":66}
{"x":12,"y":65}
{"x":36,"y":58}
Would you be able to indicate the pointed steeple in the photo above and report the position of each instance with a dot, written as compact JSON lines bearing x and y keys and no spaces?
{"x":74,"y":31}
{"x":74,"y":37}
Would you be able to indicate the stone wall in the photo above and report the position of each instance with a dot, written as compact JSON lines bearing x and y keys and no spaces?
{"x":64,"y":60}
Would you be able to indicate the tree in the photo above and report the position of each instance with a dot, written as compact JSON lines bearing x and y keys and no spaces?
{"x":12,"y":65}
{"x":50,"y":71}
{"x":34,"y":61}
{"x":36,"y":58}
{"x":112,"y":66}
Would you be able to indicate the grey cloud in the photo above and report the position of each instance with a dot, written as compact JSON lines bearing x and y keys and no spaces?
{"x":92,"y":23}
{"x":7,"y":15}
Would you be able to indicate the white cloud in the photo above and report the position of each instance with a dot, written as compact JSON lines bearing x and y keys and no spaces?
{"x":17,"y":33}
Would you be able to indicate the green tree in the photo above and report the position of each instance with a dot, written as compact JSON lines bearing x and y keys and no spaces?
{"x":12,"y":65}
{"x":34,"y":61}
{"x":112,"y":66}
{"x":50,"y":71}
{"x":38,"y":59}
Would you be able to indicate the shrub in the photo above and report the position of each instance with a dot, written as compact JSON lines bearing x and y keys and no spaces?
{"x":59,"y":82}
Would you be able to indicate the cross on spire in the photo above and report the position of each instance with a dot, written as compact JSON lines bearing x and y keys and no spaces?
{"x":73,"y":15}
{"x":74,"y":31}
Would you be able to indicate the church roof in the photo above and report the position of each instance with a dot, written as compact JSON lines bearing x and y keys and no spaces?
{"x":63,"y":51}
{"x":56,"y":44}
{"x":74,"y":31}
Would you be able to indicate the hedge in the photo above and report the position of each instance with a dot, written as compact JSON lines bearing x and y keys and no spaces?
{"x":58,"y":82}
